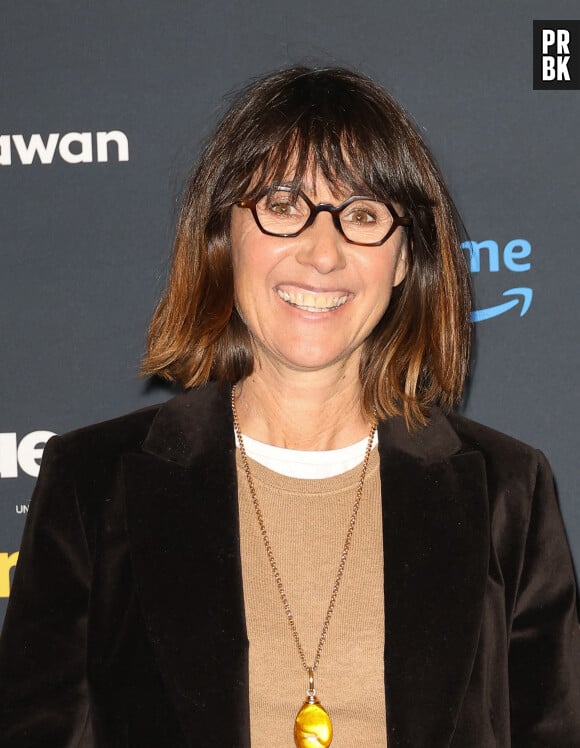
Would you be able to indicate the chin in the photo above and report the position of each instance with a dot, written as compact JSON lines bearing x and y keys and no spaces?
{"x":312,"y":359}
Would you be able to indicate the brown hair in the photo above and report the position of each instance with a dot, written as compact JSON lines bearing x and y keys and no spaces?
{"x":350,"y":129}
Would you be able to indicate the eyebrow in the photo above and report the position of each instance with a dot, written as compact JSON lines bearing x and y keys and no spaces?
{"x":309,"y":192}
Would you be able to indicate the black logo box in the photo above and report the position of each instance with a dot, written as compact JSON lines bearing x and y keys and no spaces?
{"x":552,"y":68}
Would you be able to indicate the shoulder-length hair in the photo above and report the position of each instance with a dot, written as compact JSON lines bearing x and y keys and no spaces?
{"x":356,"y":135}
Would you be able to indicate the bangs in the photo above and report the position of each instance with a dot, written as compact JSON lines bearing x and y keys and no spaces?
{"x":300,"y":159}
{"x":314,"y":149}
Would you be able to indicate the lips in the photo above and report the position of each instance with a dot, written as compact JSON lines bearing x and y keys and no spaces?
{"x":313,"y":301}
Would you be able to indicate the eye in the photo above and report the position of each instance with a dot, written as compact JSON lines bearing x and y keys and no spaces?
{"x":360,"y":215}
{"x":282,"y":208}
{"x":283,"y":205}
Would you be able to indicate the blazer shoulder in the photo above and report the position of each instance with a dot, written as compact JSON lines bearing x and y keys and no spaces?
{"x":96,"y":450}
{"x":93,"y":450}
{"x":478,"y":436}
{"x":506,"y":457}
{"x":123,"y":433}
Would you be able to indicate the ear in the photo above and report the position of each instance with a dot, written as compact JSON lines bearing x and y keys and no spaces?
{"x":401,"y":265}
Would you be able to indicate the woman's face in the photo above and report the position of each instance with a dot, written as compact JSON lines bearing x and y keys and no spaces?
{"x":311,"y":301}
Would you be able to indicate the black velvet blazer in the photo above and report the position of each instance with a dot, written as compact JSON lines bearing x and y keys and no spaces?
{"x":126,"y":629}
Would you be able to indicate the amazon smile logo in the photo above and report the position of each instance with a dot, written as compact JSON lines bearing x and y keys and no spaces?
{"x":513,"y":258}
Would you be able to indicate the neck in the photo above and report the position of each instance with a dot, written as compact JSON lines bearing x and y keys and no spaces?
{"x":302,"y":410}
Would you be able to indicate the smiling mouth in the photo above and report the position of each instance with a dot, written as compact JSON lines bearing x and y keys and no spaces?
{"x":309,"y":301}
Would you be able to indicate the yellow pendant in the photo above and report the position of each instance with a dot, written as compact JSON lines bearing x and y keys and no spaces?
{"x":312,"y":728}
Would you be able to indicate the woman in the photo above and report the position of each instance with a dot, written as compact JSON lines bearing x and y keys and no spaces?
{"x":243,"y":565}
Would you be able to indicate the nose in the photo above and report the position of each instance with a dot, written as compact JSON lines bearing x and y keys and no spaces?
{"x":321,"y":245}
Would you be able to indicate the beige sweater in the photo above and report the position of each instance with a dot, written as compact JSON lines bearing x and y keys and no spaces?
{"x":307,"y":522}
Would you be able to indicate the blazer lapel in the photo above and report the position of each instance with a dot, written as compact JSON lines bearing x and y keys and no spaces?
{"x":182,"y":519}
{"x":436,"y":549}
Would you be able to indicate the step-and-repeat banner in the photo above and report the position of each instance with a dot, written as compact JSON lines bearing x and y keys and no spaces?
{"x":103,"y":107}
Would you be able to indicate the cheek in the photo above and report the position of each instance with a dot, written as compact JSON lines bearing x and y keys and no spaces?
{"x":252,"y":264}
{"x":243,"y":244}
{"x":248,"y":271}
{"x":255,"y":259}
{"x":243,"y":262}
{"x":391,"y":266}
{"x":382,"y":275}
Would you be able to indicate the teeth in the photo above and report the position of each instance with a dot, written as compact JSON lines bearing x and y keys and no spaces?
{"x":312,"y":302}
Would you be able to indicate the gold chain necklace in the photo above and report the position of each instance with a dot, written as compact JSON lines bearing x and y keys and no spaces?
{"x":312,"y":727}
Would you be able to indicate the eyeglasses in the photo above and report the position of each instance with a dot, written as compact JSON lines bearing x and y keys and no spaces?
{"x":280,"y":211}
